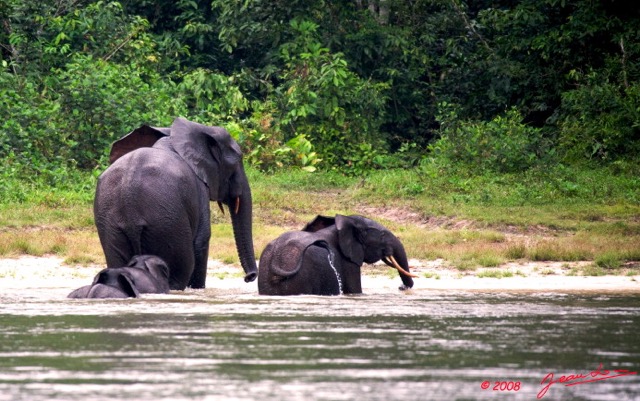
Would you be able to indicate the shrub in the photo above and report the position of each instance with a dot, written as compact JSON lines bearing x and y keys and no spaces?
{"x":104,"y":101}
{"x":212,"y":96}
{"x":264,"y":147}
{"x":608,"y":260}
{"x":503,"y":145}
{"x":322,"y":99}
{"x":515,"y":251}
{"x":600,"y":120}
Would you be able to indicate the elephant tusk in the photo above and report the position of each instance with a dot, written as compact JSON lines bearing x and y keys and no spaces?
{"x":220,"y":206}
{"x":237,"y":205}
{"x":394,"y":263}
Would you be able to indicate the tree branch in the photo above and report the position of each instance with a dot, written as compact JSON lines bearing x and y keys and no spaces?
{"x":121,"y":45}
{"x":624,"y":64}
{"x":468,"y":24}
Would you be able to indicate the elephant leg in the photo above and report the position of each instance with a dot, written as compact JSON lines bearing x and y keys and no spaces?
{"x":116,"y":246}
{"x":175,"y":247}
{"x":199,"y":275}
{"x":181,"y":264}
{"x":201,"y":248}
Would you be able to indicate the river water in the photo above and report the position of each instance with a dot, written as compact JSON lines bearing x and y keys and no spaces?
{"x":219,"y":344}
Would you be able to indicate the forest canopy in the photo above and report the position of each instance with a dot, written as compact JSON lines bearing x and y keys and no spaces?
{"x":355,"y":85}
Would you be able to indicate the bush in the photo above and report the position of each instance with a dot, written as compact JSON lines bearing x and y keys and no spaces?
{"x":78,"y":77}
{"x":601,"y":121}
{"x":79,"y":111}
{"x":503,"y":145}
{"x":212,"y":96}
{"x":100,"y":101}
{"x":322,"y":99}
{"x":52,"y":185}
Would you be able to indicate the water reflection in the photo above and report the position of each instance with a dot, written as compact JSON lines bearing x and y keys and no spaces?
{"x":423,"y":345}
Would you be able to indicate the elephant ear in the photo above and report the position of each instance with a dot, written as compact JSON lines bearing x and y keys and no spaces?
{"x":114,"y":278}
{"x":287,"y":258}
{"x":156,"y":267}
{"x":145,"y":136}
{"x":103,"y":277}
{"x":125,"y":283}
{"x":211,"y":152}
{"x":285,"y":253}
{"x":349,"y":239}
{"x":319,"y":223}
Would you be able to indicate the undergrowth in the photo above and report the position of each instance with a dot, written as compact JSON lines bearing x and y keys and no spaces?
{"x":563,"y":214}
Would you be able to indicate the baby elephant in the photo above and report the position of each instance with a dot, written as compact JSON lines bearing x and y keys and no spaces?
{"x":325,"y":257}
{"x":145,"y":274}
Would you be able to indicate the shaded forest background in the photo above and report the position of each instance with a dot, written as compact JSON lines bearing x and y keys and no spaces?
{"x":489,"y":86}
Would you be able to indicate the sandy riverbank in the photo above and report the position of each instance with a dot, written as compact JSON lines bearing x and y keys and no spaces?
{"x":50,"y":272}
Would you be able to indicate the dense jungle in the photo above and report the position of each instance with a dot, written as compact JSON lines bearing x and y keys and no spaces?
{"x":496,"y":118}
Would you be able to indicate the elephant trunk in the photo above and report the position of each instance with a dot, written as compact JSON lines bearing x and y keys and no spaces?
{"x":398,"y":260}
{"x":241,"y":210}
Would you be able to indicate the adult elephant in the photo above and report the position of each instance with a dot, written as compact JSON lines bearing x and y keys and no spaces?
{"x":154,"y":199}
{"x":144,"y":274}
{"x":325,"y":258}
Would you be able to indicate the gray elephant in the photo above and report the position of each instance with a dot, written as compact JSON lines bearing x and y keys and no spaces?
{"x":326,"y":256}
{"x":144,"y":274}
{"x":154,"y":199}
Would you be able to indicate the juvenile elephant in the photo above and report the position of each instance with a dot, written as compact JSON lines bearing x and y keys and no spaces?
{"x":325,"y":257}
{"x":154,"y":199}
{"x":144,"y":274}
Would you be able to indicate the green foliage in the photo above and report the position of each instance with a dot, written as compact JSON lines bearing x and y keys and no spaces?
{"x":212,"y":96}
{"x":102,"y":101}
{"x":359,"y":87}
{"x":539,"y":186}
{"x":609,"y":260}
{"x":494,"y":273}
{"x":600,"y":120}
{"x":79,"y":110}
{"x":68,"y":116}
{"x":503,"y":145}
{"x":268,"y":155}
{"x":302,"y":154}
{"x":322,"y":98}
{"x":265,"y":149}
{"x":52,"y":185}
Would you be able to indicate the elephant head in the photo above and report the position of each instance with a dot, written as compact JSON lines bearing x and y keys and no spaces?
{"x":150,"y":273}
{"x":216,"y":159}
{"x":362,"y":240}
{"x":144,"y":274}
{"x":325,"y":258}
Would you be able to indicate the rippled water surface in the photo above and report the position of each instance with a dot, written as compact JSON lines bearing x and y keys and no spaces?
{"x":423,"y":345}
